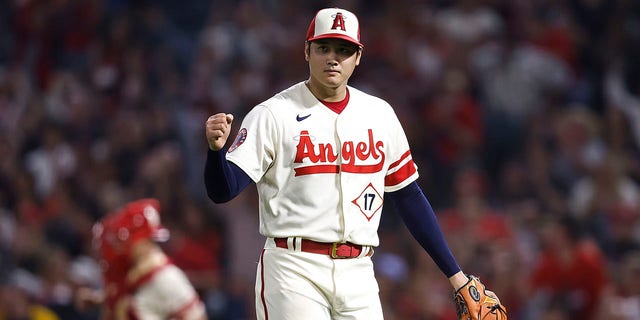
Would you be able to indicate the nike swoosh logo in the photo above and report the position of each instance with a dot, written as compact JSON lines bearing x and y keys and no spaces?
{"x":299,"y":118}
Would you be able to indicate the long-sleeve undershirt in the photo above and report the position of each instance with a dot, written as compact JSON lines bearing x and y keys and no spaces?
{"x":418,"y":215}
{"x":223,"y":179}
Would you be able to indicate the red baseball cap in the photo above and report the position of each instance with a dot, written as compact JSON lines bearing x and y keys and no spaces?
{"x":335,"y":23}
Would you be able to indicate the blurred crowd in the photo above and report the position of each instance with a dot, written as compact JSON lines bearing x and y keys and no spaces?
{"x":523,"y":117}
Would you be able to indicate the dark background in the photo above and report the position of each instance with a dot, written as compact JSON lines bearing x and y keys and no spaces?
{"x":523,"y":117}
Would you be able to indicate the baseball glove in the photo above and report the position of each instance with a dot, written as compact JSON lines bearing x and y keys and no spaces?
{"x":473,"y":303}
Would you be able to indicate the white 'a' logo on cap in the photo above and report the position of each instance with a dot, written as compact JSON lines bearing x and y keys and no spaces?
{"x":338,"y":22}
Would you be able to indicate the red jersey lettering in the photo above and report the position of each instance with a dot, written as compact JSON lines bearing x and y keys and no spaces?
{"x":353,"y":153}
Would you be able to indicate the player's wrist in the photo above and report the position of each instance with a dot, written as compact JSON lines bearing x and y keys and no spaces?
{"x":458,"y":280}
{"x":215,"y":148}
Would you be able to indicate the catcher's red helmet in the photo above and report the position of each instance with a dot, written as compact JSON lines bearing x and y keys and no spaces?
{"x":116,"y":233}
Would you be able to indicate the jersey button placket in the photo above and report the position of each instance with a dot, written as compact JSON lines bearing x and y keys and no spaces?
{"x":342,"y":179}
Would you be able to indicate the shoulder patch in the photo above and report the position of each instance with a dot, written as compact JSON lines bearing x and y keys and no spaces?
{"x":240,"y":138}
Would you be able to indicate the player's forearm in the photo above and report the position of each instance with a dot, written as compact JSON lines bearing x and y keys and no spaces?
{"x":419,"y":217}
{"x":223,"y":180}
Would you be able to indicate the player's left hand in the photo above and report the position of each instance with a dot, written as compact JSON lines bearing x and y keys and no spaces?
{"x":217,"y":130}
{"x":474,"y":302}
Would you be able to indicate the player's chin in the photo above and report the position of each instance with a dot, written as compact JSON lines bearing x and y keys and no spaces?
{"x":333,"y":81}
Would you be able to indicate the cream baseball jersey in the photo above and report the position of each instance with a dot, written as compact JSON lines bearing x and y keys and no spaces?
{"x":163,"y":292}
{"x":321,"y":175}
{"x":168,"y":295}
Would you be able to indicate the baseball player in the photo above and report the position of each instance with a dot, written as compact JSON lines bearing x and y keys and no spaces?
{"x":140,"y":282}
{"x":325,"y":157}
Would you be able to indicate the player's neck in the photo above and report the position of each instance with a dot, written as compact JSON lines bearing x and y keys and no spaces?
{"x":324,"y":93}
{"x":146,"y":256}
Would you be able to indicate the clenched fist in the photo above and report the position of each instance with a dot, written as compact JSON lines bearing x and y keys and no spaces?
{"x":217,"y":129}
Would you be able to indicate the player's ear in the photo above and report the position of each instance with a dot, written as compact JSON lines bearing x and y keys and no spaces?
{"x":307,"y":50}
{"x":359,"y":55}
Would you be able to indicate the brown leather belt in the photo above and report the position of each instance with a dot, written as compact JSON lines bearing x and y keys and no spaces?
{"x":336,"y":250}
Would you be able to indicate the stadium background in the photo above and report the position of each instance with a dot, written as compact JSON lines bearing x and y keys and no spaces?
{"x":524,"y":119}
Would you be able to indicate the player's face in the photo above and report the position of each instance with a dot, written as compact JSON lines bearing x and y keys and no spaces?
{"x":331,"y":61}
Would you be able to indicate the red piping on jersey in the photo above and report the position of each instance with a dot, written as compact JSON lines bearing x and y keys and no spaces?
{"x":406,"y":171}
{"x":404,"y":156}
{"x":264,"y":302}
{"x":402,"y":173}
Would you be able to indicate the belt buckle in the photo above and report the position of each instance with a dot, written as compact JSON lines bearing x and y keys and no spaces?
{"x":334,"y":251}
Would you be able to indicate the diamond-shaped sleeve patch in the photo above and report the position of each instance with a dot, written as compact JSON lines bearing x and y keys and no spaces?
{"x":369,"y":201}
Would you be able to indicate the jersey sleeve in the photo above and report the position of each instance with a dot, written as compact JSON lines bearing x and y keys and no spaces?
{"x":402,"y":170}
{"x":253,"y":149}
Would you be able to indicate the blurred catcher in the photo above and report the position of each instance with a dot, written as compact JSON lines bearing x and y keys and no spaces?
{"x":140,"y":282}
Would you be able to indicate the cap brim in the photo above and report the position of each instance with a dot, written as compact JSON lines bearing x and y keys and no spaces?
{"x":336,"y":36}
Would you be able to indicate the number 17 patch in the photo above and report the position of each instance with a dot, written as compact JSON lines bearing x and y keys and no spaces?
{"x":369,"y":201}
